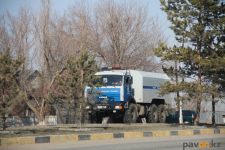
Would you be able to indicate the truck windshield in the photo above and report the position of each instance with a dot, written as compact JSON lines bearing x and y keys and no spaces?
{"x":112,"y":80}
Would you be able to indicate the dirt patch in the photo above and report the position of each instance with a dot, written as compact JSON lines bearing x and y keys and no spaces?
{"x":96,"y":128}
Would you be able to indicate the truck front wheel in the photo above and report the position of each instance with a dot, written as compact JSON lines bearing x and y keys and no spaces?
{"x":152,"y":114}
{"x":161,"y":113}
{"x":130,"y":115}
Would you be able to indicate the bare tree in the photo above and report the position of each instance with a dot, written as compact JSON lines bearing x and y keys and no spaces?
{"x":61,"y":44}
{"x":79,"y":25}
{"x":16,"y":35}
{"x":5,"y":40}
{"x":122,"y":34}
{"x":51,"y":34}
{"x":21,"y":41}
{"x":43,"y":35}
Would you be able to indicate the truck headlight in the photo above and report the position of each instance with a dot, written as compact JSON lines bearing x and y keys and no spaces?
{"x":118,"y":107}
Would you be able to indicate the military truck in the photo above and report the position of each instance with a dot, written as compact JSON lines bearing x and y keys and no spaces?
{"x":131,"y":94}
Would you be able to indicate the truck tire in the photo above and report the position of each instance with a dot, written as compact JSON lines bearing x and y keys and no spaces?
{"x":152,"y":116}
{"x":161,"y":114}
{"x":130,"y":115}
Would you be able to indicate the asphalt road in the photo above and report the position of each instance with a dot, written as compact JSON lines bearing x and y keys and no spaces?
{"x":154,"y":143}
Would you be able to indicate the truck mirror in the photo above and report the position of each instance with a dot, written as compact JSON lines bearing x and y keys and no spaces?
{"x":130,"y":81}
{"x":126,"y":80}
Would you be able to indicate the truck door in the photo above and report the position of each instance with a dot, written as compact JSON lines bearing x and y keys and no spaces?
{"x":127,"y":87}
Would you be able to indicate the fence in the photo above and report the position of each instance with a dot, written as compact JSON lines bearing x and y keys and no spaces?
{"x":51,"y":120}
{"x":206,"y":117}
{"x":26,"y":121}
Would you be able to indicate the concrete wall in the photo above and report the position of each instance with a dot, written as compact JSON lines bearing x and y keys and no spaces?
{"x":206,"y":117}
{"x":26,"y":121}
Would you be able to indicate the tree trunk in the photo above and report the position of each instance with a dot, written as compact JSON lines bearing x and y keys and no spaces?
{"x":41,"y":117}
{"x":198,"y":113}
{"x":81,"y":97}
{"x":3,"y":122}
{"x":178,"y":95}
{"x":80,"y":116}
{"x":41,"y":120}
{"x":3,"y":114}
{"x":199,"y":84}
{"x":40,"y":114}
{"x":58,"y":115}
{"x":213,"y":112}
{"x":22,"y":77}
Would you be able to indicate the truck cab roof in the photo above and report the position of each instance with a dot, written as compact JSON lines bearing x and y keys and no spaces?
{"x":141,"y":73}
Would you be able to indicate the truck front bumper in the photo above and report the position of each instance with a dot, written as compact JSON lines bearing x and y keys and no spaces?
{"x":107,"y":107}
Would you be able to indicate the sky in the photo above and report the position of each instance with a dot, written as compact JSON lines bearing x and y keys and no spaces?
{"x":60,"y":6}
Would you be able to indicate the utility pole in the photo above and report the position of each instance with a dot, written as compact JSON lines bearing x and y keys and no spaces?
{"x":181,"y":94}
{"x":213,"y":112}
{"x":181,"y":114}
{"x":178,"y":95}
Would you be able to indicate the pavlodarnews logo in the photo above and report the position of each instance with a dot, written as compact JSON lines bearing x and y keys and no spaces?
{"x":201,"y":144}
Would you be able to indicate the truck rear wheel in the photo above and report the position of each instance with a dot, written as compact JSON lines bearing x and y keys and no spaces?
{"x":130,"y":115}
{"x":161,"y":113}
{"x":152,"y":116}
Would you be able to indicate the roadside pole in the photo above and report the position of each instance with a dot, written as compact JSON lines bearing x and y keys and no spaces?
{"x":181,"y":115}
{"x":181,"y":94}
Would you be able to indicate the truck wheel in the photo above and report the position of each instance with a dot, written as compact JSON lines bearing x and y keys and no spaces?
{"x":152,"y":114}
{"x":130,"y":115}
{"x":161,"y":113}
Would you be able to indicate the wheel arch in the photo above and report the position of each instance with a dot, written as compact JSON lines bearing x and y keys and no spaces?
{"x":158,"y":101}
{"x":129,"y":101}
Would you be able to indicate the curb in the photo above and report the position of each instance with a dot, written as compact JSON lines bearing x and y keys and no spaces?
{"x":102,"y":136}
